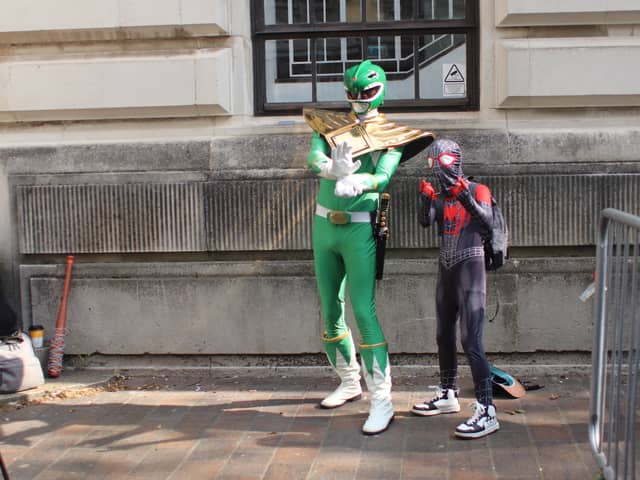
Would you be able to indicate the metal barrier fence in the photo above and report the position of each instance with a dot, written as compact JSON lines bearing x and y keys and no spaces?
{"x":614,"y":412}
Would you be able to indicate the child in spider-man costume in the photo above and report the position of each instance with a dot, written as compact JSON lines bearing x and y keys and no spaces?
{"x":463,"y":213}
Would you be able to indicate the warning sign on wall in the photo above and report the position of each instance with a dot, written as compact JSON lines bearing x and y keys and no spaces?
{"x":453,"y":80}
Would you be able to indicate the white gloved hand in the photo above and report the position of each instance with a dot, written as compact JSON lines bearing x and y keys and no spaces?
{"x":324,"y":167}
{"x":321,"y":165}
{"x":350,"y":186}
{"x":342,"y":163}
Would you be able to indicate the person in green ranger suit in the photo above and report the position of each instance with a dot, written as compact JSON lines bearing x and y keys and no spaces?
{"x":344,"y":247}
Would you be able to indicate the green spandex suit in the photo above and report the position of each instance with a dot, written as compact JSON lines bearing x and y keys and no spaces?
{"x":344,"y":247}
{"x":345,"y":255}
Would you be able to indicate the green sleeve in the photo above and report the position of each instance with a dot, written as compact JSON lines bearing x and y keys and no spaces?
{"x":318,"y":152}
{"x":385,"y":168}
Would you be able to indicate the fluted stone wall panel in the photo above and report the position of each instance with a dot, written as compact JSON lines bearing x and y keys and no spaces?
{"x":276,"y":215}
{"x":110,"y":218}
{"x":260,"y":215}
{"x":541,"y":210}
{"x":405,"y":232}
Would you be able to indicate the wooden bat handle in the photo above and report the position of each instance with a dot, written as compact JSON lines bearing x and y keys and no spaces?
{"x":56,"y":350}
{"x":62,"y":311}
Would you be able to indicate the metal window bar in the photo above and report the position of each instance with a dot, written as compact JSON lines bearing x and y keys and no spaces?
{"x":433,"y":49}
{"x":614,"y":417}
{"x":436,"y":42}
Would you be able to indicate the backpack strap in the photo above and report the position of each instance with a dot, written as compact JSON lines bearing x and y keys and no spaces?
{"x":13,"y":338}
{"x":476,"y":209}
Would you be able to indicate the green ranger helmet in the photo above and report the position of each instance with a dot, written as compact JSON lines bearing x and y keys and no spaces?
{"x":365,"y":85}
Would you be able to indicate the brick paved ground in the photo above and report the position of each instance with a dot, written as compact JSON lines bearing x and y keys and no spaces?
{"x":269,"y":427}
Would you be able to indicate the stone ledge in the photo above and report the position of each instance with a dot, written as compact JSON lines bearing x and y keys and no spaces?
{"x":486,"y":151}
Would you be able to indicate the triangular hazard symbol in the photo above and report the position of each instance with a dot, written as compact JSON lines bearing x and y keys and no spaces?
{"x":454,"y":74}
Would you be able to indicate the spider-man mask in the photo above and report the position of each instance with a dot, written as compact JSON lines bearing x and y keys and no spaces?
{"x":445,"y":158}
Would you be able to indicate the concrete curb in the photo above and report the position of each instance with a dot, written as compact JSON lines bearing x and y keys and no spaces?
{"x":74,"y":380}
{"x":56,"y":387}
{"x":325,"y":371}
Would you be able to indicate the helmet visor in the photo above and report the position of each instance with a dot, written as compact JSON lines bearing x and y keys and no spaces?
{"x":368,"y":95}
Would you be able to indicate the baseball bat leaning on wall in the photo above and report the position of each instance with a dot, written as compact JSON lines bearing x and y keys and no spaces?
{"x":56,"y":350}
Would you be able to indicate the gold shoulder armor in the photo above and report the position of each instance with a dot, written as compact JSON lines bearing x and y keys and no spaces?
{"x":386,"y":134}
{"x":327,"y":121}
{"x":375,"y":134}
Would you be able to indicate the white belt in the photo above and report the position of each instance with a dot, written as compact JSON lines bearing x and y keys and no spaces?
{"x":339,"y":217}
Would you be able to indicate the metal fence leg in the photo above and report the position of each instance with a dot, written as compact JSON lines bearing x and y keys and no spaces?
{"x":3,"y":468}
{"x":616,"y":354}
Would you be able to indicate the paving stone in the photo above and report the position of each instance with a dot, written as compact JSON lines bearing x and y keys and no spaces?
{"x":193,"y":426}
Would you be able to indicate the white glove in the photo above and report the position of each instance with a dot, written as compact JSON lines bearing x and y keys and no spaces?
{"x":351,"y":185}
{"x":324,"y":167}
{"x":342,"y":163}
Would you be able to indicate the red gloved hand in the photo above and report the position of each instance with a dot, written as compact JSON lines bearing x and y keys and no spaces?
{"x":459,"y":186}
{"x":427,"y":189}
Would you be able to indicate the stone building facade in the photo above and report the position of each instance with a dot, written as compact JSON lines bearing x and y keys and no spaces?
{"x":131,"y":137}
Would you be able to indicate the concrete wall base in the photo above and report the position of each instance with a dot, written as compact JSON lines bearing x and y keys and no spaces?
{"x":272,"y":308}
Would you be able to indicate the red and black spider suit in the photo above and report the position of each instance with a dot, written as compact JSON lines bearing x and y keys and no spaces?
{"x":462,"y":211}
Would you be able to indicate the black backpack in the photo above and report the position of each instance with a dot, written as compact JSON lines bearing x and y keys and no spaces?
{"x":8,"y":318}
{"x":496,"y":240}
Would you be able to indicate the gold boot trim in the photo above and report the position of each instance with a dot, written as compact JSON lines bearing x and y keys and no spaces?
{"x":374,"y":345}
{"x":335,"y":339}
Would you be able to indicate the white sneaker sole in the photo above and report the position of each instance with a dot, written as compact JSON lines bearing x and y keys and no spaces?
{"x":481,"y":434}
{"x":429,"y":413}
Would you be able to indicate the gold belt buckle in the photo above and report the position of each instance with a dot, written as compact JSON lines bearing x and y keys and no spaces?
{"x":338,"y":217}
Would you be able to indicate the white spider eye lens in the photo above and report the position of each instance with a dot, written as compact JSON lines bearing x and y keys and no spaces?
{"x":430,"y":161}
{"x":446,"y":159}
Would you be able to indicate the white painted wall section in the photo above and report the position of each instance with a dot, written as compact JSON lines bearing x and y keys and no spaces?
{"x":568,"y":72}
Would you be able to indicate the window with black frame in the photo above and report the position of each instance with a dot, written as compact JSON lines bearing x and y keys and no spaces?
{"x":428,"y":48}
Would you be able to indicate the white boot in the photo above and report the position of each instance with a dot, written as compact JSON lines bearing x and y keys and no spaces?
{"x":379,"y":386}
{"x":349,"y":373}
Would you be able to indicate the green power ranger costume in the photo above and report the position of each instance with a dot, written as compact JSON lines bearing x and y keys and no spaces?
{"x":344,"y":247}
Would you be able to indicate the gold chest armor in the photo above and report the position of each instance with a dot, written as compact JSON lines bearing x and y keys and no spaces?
{"x":367,"y":136}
